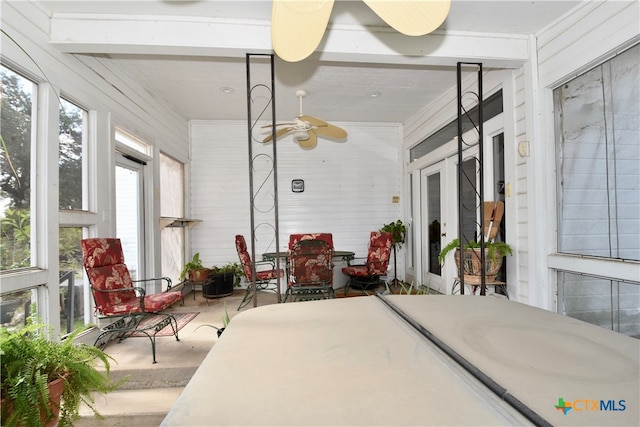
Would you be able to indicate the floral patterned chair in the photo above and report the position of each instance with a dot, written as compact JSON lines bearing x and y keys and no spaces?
{"x":310,"y":270}
{"x":264,"y":277}
{"x":295,"y":238}
{"x":116,"y":295}
{"x":367,"y":276}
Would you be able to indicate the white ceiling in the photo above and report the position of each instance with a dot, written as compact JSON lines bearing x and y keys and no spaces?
{"x":189,"y":77}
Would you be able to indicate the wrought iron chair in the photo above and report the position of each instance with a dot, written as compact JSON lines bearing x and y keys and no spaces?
{"x":310,"y":271}
{"x":367,"y":276}
{"x":118,"y":298}
{"x":264,"y":277}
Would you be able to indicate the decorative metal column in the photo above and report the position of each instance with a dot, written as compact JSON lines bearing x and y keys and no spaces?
{"x":263,"y":165}
{"x":467,"y":100}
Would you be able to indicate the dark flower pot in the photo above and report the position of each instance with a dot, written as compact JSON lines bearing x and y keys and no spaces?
{"x":218,"y":285}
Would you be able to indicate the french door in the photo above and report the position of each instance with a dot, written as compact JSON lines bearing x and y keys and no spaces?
{"x":130,"y":212}
{"x":434,"y":208}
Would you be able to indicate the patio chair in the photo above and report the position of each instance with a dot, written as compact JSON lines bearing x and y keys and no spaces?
{"x":264,"y":276}
{"x":310,"y":271}
{"x":367,"y":276}
{"x":118,"y":298}
{"x":295,"y":238}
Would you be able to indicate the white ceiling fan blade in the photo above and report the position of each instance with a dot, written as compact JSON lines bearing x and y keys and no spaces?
{"x":279,"y":133}
{"x":331,"y":131}
{"x":309,"y":143}
{"x":297,"y":27}
{"x":411,"y":17}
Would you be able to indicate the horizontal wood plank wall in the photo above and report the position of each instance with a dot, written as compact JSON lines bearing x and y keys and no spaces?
{"x":593,"y":33}
{"x":348,"y":187}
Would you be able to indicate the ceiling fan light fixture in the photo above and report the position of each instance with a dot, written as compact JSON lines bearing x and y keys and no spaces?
{"x":297,"y":27}
{"x":300,"y":135}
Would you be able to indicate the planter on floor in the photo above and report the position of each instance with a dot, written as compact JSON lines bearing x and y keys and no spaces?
{"x":218,"y":285}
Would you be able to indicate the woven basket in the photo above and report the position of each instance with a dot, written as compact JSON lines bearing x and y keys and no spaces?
{"x":472,"y":266}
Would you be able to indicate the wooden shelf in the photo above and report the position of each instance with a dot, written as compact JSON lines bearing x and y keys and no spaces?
{"x":178,"y":222}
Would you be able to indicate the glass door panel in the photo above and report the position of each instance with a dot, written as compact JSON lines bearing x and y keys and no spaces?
{"x":130,"y":213}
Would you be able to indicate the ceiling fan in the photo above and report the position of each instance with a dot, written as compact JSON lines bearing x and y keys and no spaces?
{"x":305,"y":129}
{"x":297,"y":26}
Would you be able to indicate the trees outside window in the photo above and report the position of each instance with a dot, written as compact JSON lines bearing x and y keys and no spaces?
{"x":15,"y":169}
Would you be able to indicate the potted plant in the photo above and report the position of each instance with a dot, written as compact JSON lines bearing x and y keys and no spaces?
{"x":194,"y":270}
{"x":225,"y":322}
{"x":494,"y":255}
{"x":398,"y":235}
{"x":222,"y":280}
{"x":44,"y":382}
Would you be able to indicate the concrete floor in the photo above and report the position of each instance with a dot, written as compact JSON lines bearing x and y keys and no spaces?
{"x":151,"y":389}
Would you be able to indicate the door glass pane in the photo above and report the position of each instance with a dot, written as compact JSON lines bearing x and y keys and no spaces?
{"x":469,"y":200}
{"x":15,"y":170}
{"x":128,"y":214}
{"x":434,"y":219}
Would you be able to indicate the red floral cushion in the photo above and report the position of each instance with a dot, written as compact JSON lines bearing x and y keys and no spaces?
{"x":295,"y":238}
{"x":245,"y":260}
{"x":311,"y":263}
{"x":377,"y":257}
{"x":104,"y":264}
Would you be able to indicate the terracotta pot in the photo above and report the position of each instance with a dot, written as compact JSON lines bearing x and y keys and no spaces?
{"x":56,"y":387}
{"x":199,"y":275}
{"x":472,"y":266}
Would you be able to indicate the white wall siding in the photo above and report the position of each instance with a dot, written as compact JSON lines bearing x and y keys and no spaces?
{"x":348,"y":192}
{"x":574,"y":44}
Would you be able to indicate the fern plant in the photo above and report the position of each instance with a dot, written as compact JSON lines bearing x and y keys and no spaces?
{"x":30,"y":361}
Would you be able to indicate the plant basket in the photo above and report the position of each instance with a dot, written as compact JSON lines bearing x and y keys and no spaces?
{"x":472,"y":266}
{"x":218,"y":285}
{"x":199,"y":275}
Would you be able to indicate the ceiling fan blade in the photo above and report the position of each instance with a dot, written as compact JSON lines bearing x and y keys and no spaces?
{"x":332,"y":131}
{"x":313,"y":121}
{"x":278,"y":124}
{"x":279,"y":133}
{"x":411,"y":17}
{"x":309,"y":143}
{"x":297,"y":27}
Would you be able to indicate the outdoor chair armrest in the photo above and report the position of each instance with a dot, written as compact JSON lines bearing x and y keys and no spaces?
{"x":271,"y":264}
{"x":167,"y":279}
{"x":360,"y":261}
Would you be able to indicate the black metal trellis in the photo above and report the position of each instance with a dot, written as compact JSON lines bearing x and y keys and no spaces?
{"x":262,"y":164}
{"x":467,"y":100}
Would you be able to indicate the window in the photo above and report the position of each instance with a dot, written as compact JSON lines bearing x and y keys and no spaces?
{"x":71,"y":158}
{"x":491,"y":107}
{"x":598,"y":156}
{"x":72,"y":291}
{"x":16,"y":129}
{"x":598,"y":153}
{"x":172,"y":206}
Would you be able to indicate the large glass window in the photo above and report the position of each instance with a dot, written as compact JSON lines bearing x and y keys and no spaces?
{"x":18,"y":95}
{"x":598,"y":133}
{"x":598,"y":158}
{"x":71,"y":138}
{"x":172,"y":206}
